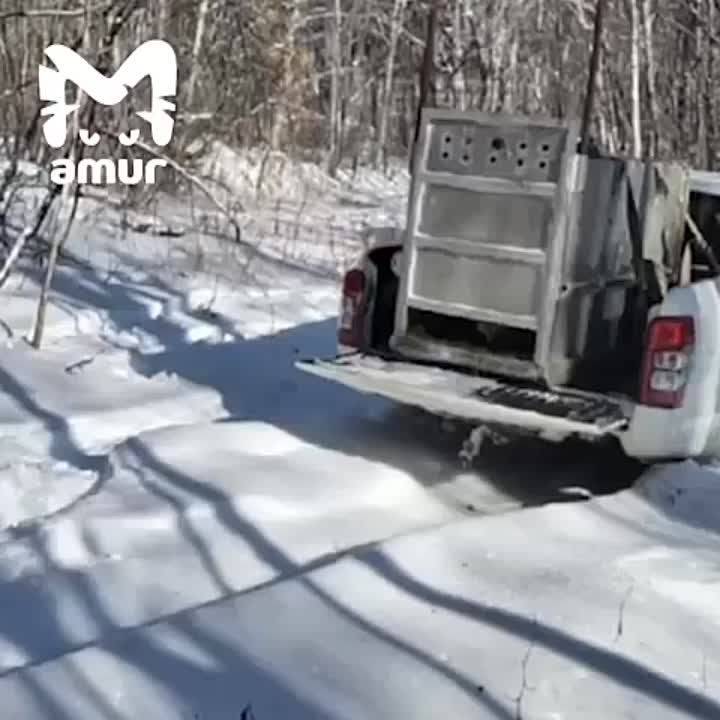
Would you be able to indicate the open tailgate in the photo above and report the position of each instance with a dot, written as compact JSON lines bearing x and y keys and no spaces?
{"x":476,"y":399}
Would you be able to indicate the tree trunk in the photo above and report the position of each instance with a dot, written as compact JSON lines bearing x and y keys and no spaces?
{"x":712,"y":97}
{"x":163,"y":19}
{"x":427,"y":78}
{"x":589,"y":100}
{"x":281,"y":118}
{"x":653,"y":109}
{"x":459,"y":79}
{"x":197,"y":47}
{"x":335,"y":71}
{"x":72,"y":189}
{"x":395,"y":26}
{"x":635,"y":98}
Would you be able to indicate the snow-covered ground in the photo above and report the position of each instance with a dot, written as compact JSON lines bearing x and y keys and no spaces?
{"x":189,"y":527}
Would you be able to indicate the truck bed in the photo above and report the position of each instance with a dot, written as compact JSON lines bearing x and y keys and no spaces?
{"x":552,"y":414}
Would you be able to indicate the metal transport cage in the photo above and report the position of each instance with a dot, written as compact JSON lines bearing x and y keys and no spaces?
{"x":508,"y":226}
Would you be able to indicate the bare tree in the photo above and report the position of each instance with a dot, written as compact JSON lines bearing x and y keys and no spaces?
{"x":196,"y":49}
{"x":635,"y":98}
{"x":395,"y":26}
{"x":329,"y":80}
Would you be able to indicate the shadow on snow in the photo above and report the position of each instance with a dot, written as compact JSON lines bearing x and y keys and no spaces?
{"x":257,"y":381}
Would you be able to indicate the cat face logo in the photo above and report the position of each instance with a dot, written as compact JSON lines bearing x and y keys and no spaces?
{"x":154,"y":59}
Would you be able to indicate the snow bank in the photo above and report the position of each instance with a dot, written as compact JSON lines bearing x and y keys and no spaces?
{"x":686,"y":492}
{"x":295,"y":212}
{"x":258,"y":173}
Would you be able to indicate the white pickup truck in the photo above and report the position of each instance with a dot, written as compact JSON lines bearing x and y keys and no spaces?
{"x":539,"y":290}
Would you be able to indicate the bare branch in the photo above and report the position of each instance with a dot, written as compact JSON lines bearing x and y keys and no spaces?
{"x":54,"y":12}
{"x":194,"y":179}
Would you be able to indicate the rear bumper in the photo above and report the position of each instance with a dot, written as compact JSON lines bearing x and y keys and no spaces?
{"x":553,"y":415}
{"x":656,"y":434}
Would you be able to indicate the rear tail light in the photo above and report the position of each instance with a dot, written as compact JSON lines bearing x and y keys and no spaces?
{"x":669,"y":346}
{"x":352,"y":311}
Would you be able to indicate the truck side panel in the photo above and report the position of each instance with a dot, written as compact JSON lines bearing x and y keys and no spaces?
{"x":692,"y":430}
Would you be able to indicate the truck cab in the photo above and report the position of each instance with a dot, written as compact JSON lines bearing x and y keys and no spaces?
{"x":537,"y":289}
